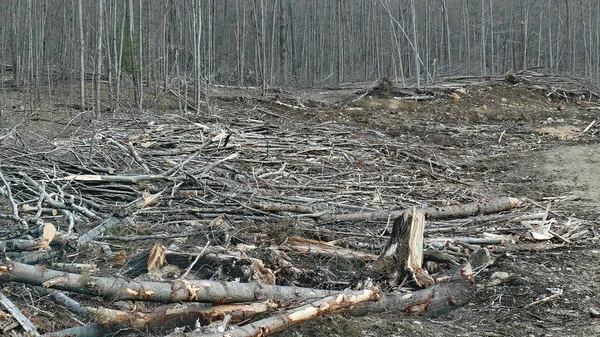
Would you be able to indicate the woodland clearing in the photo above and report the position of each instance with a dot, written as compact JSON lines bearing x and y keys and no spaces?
{"x":259,"y":172}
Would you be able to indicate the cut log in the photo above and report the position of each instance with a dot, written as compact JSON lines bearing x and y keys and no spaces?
{"x":168,"y":292}
{"x":452,"y":292}
{"x":455,"y":291}
{"x":309,"y":246}
{"x":403,"y":254}
{"x":447,"y":212}
{"x":475,"y":208}
{"x":279,"y":323}
{"x":183,"y":314}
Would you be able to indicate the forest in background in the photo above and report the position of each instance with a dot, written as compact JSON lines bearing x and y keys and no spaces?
{"x":132,"y":48}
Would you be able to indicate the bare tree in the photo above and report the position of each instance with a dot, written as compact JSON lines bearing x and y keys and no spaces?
{"x":197,"y":28}
{"x":415,"y":44}
{"x":261,"y":55}
{"x":98,"y":68}
{"x":140,"y":58}
{"x":172,"y":45}
{"x":81,"y":56}
{"x":483,"y":41}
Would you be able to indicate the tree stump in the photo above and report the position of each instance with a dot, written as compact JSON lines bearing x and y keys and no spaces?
{"x":403,"y":254}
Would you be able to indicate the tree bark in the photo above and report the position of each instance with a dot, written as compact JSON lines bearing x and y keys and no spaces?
{"x":98,"y":69}
{"x":167,"y":292}
{"x":81,"y":57}
{"x":403,"y":254}
{"x":281,"y":322}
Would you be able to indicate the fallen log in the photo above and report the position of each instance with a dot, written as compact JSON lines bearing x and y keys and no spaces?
{"x":435,"y":300}
{"x":475,"y":208}
{"x":439,"y":299}
{"x":455,"y":291}
{"x":450,"y":293}
{"x":446,"y":212}
{"x":117,"y":288}
{"x":183,"y":314}
{"x":329,"y":249}
{"x":132,"y":179}
{"x":279,"y":323}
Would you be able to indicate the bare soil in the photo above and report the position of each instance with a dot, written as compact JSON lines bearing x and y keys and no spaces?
{"x":505,"y":141}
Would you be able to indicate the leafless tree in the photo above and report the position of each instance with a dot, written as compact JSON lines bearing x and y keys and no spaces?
{"x":150,"y":47}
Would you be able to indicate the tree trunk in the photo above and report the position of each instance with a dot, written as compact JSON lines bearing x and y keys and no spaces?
{"x":197,"y":26}
{"x":81,"y":57}
{"x":140,"y":60}
{"x":98,"y":67}
{"x":403,"y":254}
{"x":483,"y":44}
{"x":415,"y":45}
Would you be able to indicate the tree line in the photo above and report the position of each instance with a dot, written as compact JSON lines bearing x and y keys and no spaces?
{"x":132,"y":48}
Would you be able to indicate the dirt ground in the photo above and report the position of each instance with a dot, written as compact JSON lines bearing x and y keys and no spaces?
{"x":508,"y":141}
{"x":525,"y":145}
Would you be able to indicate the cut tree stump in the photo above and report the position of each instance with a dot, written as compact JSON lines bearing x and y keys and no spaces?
{"x":403,"y":254}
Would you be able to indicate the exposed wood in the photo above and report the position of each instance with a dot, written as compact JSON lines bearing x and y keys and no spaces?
{"x":184,"y":314}
{"x":281,"y":322}
{"x":456,"y":291}
{"x":167,"y":292}
{"x":307,"y":246}
{"x":403,"y":254}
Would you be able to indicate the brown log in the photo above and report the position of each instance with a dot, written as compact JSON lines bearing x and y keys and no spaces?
{"x":452,"y":292}
{"x":273,"y":207}
{"x":441,"y":298}
{"x":455,"y":291}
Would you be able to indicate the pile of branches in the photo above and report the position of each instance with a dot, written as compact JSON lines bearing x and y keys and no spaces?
{"x":218,"y":221}
{"x":555,"y":86}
